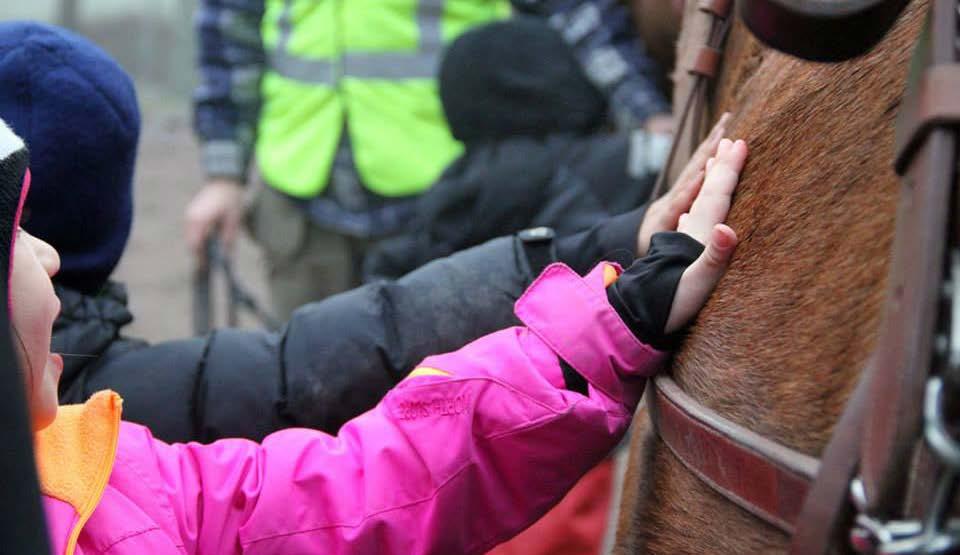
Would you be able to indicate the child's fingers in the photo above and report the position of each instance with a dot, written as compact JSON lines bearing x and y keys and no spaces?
{"x":712,"y":204}
{"x":663,"y":214}
{"x":716,"y":256}
{"x":706,"y":149}
{"x":700,"y":278}
{"x":681,"y":198}
{"x":709,"y":144}
{"x":680,"y":201}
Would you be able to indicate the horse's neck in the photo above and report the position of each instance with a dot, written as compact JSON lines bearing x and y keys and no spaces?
{"x":784,"y":337}
{"x":782,"y":342}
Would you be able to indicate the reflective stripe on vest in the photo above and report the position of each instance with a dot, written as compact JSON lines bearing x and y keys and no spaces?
{"x":327,"y":71}
{"x":421,"y":64}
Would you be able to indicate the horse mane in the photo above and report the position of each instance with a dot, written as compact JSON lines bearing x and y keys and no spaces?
{"x":781,"y":344}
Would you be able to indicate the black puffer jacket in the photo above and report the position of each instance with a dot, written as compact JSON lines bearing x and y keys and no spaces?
{"x":564,"y":182}
{"x":334,"y":360}
{"x":87,"y":332}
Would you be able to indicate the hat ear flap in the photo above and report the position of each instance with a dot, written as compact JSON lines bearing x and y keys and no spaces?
{"x":14,"y":184}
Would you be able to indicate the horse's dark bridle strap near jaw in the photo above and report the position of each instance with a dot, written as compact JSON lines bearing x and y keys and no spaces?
{"x":761,"y":476}
{"x":905,"y":357}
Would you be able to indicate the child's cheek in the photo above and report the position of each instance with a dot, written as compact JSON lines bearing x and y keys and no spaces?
{"x":32,"y":341}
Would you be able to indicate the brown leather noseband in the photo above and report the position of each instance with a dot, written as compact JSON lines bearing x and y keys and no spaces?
{"x":762,"y":476}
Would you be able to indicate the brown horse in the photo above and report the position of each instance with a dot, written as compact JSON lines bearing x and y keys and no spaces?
{"x":782,"y":342}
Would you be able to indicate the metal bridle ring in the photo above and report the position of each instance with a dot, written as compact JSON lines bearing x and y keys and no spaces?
{"x":935,"y":429}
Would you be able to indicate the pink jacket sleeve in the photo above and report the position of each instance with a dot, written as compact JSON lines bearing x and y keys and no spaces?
{"x":459,"y":457}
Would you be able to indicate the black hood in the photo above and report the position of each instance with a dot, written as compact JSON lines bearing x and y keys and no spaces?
{"x":516,"y":78}
{"x":22,"y":528}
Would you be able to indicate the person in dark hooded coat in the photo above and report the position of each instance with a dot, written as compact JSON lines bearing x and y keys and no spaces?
{"x":332,"y":361}
{"x":537,"y":148}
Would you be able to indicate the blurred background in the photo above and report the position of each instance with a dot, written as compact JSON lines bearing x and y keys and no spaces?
{"x":154,"y":41}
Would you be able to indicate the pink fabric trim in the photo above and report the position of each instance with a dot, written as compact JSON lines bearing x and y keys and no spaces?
{"x":13,"y":240}
{"x":61,"y":519}
{"x":596,"y":343}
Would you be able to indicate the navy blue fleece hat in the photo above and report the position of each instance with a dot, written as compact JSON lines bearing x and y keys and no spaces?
{"x":77,"y":111}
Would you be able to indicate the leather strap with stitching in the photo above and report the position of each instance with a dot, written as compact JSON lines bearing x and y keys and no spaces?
{"x":706,"y":62}
{"x":767,"y":479}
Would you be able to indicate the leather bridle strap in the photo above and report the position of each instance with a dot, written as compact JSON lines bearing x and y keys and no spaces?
{"x":881,"y":427}
{"x":702,"y":70}
{"x":926,"y":158}
{"x":763,"y":477}
{"x":825,"y":506}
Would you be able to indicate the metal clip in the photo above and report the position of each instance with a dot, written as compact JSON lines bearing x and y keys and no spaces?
{"x":935,"y":534}
{"x":948,"y":296}
{"x":902,"y":537}
{"x":871,"y":536}
{"x":935,"y":430}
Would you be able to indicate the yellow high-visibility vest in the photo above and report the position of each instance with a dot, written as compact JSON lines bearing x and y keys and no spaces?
{"x":369,"y":65}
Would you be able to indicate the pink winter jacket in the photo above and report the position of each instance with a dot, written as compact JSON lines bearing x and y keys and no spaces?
{"x":468,"y":451}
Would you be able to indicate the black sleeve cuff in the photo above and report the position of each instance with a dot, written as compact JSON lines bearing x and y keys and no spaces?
{"x":613,"y":240}
{"x":643,"y":295}
{"x":537,"y":250}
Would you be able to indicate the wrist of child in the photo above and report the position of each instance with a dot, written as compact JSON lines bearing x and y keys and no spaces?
{"x":644,"y":293}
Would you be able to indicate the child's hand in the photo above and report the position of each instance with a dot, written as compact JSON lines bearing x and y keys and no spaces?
{"x":704,"y":223}
{"x":663,"y":213}
{"x":660,"y":293}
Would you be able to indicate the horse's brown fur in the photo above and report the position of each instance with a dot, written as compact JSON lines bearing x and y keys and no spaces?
{"x":781,"y":343}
